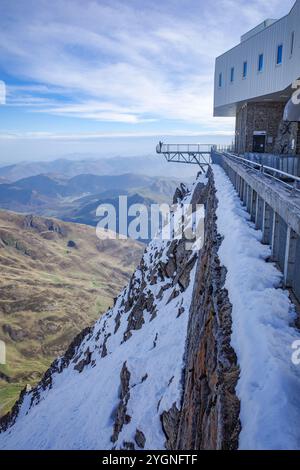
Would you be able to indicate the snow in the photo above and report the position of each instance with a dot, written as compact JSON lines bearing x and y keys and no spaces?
{"x":263,"y":331}
{"x":78,"y":411}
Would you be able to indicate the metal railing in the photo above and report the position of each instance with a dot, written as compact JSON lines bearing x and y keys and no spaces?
{"x":292,"y":182}
{"x":287,"y":163}
{"x":185,"y":148}
{"x":225,"y":148}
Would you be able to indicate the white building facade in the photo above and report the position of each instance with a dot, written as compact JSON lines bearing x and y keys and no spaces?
{"x":253,"y":81}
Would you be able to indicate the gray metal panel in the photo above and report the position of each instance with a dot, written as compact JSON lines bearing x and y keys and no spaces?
{"x":273,"y":79}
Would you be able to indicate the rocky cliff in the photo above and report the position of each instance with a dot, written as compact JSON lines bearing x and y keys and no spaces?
{"x":209,"y":417}
{"x":156,"y":371}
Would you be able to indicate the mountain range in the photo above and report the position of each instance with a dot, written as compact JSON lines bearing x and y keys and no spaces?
{"x":76,"y":199}
{"x":145,"y":165}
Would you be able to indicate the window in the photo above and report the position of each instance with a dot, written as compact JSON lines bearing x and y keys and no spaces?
{"x":292,"y":42}
{"x":220,"y":80}
{"x":245,"y":69}
{"x":232,"y":74}
{"x":260,"y":62}
{"x":279,"y":54}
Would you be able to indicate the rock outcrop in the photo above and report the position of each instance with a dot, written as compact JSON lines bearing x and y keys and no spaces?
{"x":209,"y":418}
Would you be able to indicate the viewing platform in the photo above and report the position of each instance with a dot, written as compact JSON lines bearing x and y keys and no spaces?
{"x":194,"y":154}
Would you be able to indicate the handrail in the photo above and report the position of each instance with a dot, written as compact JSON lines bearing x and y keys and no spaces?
{"x":184,"y":148}
{"x":264,"y":169}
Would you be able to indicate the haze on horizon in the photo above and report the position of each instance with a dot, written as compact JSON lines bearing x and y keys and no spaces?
{"x":112,"y":77}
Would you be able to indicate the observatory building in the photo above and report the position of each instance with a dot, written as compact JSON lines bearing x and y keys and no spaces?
{"x":257,"y":82}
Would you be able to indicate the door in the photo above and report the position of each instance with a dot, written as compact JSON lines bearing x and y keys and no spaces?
{"x":259,"y":143}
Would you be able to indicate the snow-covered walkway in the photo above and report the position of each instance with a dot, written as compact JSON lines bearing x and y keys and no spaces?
{"x":269,"y":384}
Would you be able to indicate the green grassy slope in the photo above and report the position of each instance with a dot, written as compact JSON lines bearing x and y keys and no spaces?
{"x":50,"y":291}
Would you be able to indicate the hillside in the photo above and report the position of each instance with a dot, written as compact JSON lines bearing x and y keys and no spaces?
{"x":49,"y":291}
{"x":194,"y":355}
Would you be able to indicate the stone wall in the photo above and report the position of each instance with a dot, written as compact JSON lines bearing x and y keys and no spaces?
{"x":288,"y":139}
{"x":266,"y":117}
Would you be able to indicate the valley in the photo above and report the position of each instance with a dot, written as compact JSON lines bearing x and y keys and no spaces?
{"x":56,"y":278}
{"x":76,"y":199}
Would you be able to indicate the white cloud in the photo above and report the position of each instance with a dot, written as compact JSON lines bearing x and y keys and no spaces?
{"x":21,"y":136}
{"x":2,"y":92}
{"x":127,"y":62}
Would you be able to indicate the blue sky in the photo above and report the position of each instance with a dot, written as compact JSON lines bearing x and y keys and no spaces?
{"x":83,"y":75}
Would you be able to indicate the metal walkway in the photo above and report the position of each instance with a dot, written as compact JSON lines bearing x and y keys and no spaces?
{"x":194,"y":154}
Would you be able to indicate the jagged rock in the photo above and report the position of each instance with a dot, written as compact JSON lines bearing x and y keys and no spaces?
{"x":140,"y":439}
{"x":104,"y":348}
{"x":184,"y":276}
{"x":128,"y":445}
{"x":209,"y":418}
{"x":180,"y":311}
{"x":170,"y":267}
{"x":170,"y":421}
{"x":84,"y":362}
{"x":121,"y":416}
{"x":15,"y":334}
{"x":155,"y":341}
{"x":136,"y":317}
{"x":5,"y":377}
{"x":42,"y":224}
{"x":180,"y":193}
{"x":9,"y":419}
{"x":71,"y":351}
{"x":174,"y":294}
{"x":200,"y":195}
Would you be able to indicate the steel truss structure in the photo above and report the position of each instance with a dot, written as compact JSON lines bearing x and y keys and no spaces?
{"x":193,"y":154}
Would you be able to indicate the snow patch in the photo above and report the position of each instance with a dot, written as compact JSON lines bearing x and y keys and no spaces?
{"x":263,"y":331}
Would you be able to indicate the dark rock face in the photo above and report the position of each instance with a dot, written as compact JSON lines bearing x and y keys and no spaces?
{"x":10,"y":418}
{"x":122,"y":417}
{"x":84,"y":362}
{"x":170,"y":422}
{"x":16,"y":334}
{"x":180,"y":193}
{"x":209,"y":418}
{"x":140,"y":439}
{"x":41,"y":225}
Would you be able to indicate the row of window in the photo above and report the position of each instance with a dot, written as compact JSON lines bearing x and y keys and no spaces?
{"x":260,"y":64}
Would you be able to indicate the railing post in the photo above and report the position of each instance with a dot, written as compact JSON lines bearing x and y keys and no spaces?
{"x":267,"y":224}
{"x":293,"y":192}
{"x":290,"y":257}
{"x":275,"y":235}
{"x":253,"y":205}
